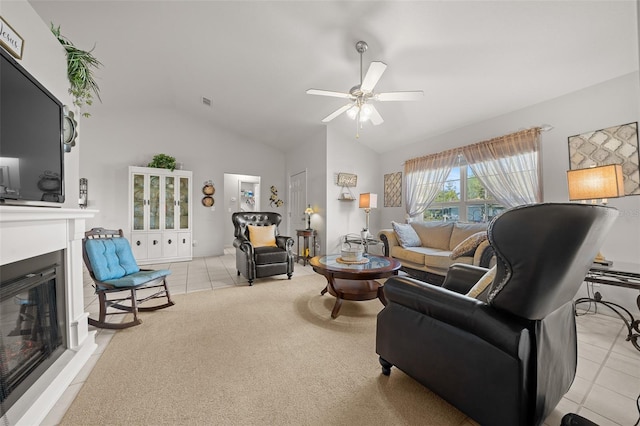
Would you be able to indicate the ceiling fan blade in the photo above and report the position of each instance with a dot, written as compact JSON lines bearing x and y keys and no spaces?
{"x":328,"y":93}
{"x":336,"y":113}
{"x":375,"y":116}
{"x":415,"y":95}
{"x":375,"y":71}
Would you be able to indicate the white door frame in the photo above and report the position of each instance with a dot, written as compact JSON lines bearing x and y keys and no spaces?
{"x":291,"y":224}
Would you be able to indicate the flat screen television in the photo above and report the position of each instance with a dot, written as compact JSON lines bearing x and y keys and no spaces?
{"x":31,"y":143}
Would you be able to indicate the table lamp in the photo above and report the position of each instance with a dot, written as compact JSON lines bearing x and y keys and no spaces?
{"x":308,"y":211}
{"x":368,"y":201}
{"x":594,"y":183}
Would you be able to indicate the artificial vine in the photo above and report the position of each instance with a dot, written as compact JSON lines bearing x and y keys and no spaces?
{"x":273,"y":199}
{"x":80,"y":66}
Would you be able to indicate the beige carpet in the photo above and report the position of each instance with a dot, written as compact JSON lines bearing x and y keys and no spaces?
{"x":262,"y":355}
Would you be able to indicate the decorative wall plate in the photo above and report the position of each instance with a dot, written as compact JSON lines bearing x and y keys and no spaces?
{"x":207,"y":201}
{"x":69,"y":129}
{"x":208,"y":189}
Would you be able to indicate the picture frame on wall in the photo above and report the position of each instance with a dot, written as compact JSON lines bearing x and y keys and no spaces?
{"x":613,"y":145}
{"x":347,"y":179}
{"x":393,"y":189}
{"x":10,"y":40}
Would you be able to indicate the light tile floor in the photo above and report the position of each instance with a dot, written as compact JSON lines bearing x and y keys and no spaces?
{"x":605,"y":389}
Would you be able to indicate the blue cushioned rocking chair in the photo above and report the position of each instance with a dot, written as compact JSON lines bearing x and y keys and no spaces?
{"x":108,"y":257}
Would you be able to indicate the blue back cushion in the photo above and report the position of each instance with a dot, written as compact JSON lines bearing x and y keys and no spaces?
{"x":111,"y":258}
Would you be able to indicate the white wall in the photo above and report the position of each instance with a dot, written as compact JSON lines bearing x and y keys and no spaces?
{"x":115,"y":138}
{"x":607,"y":104}
{"x":45,"y":59}
{"x":311,"y":155}
{"x":350,"y":155}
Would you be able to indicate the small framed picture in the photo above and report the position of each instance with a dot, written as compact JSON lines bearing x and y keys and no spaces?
{"x":347,"y":179}
{"x":10,"y":40}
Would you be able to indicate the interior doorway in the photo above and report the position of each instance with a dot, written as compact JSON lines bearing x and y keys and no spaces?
{"x":241,"y":194}
{"x":297,"y":203}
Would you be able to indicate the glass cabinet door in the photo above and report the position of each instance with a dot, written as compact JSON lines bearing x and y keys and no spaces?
{"x":184,"y":203}
{"x":138,"y":202}
{"x":169,"y":202}
{"x":154,"y":202}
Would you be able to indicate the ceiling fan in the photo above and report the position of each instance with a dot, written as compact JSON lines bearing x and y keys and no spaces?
{"x":360,"y":96}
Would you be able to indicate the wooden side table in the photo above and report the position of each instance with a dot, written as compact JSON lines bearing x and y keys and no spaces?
{"x":305,"y":253}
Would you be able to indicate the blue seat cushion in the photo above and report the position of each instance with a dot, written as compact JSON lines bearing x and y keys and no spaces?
{"x":110,"y":258}
{"x":138,"y":278}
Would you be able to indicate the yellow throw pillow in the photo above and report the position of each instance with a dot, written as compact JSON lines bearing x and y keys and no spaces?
{"x":262,"y":236}
{"x":484,"y":282}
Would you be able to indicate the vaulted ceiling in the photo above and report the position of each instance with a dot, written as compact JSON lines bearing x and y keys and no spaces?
{"x":255,"y":59}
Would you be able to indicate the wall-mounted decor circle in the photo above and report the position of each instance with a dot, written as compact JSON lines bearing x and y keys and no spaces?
{"x":207,"y":201}
{"x":208,"y":189}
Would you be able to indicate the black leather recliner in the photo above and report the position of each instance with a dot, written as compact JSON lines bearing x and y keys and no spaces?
{"x":259,"y":262}
{"x":507,"y":359}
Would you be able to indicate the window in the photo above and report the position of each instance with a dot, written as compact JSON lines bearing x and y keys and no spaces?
{"x":463,"y":198}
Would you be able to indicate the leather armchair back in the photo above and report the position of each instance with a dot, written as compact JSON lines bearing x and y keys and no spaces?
{"x":242,"y":219}
{"x":540,"y":266}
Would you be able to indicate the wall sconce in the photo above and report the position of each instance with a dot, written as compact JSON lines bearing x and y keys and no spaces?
{"x":308,"y":211}
{"x":596,"y":182}
{"x":84,"y":193}
{"x":367,"y":202}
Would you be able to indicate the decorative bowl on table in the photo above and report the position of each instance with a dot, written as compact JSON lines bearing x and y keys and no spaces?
{"x":351,"y":254}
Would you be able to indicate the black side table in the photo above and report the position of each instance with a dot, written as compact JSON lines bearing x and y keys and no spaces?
{"x":620,"y":274}
{"x":307,"y":248}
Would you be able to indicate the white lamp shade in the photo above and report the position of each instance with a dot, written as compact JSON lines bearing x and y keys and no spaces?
{"x":596,"y":182}
{"x":368,"y":201}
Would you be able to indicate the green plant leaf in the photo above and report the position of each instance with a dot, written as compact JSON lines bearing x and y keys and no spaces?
{"x":80,"y":65}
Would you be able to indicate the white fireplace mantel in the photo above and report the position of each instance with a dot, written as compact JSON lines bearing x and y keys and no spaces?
{"x":31,"y":231}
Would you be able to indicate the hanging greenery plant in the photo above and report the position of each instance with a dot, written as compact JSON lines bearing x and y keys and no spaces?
{"x":80,"y":66}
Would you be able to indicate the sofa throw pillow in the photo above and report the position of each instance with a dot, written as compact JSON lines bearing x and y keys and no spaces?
{"x":482,"y":284}
{"x":407,"y":236}
{"x":262,"y":236}
{"x":469,"y":245}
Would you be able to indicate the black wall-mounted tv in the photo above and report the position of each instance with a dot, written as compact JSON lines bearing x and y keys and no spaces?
{"x":31,"y":146}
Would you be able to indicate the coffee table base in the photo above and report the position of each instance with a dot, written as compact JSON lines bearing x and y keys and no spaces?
{"x":356,"y":290}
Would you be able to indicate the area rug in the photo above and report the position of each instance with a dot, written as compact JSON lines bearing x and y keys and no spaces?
{"x":269,"y":354}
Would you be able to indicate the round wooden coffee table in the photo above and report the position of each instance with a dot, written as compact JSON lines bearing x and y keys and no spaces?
{"x":350,"y":281}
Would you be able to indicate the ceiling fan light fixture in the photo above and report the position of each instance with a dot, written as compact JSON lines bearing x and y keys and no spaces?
{"x":359,"y":109}
{"x":352,"y":112}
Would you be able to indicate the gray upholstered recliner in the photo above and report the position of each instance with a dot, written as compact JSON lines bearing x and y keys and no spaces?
{"x":259,"y":262}
{"x":508,"y":358}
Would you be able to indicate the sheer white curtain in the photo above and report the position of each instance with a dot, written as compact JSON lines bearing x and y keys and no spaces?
{"x":424,"y":178}
{"x":509,"y":167}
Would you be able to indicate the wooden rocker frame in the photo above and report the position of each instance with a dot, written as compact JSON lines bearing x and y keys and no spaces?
{"x":102,"y":289}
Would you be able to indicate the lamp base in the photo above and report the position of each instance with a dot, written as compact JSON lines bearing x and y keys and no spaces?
{"x":600,"y":260}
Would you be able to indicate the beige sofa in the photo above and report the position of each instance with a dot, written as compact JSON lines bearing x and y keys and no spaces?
{"x":430,"y":261}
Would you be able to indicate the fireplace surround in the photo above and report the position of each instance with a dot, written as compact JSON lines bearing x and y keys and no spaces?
{"x":32,"y":315}
{"x":30,"y":232}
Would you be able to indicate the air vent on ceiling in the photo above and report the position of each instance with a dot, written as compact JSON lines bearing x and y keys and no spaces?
{"x":206,"y":101}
